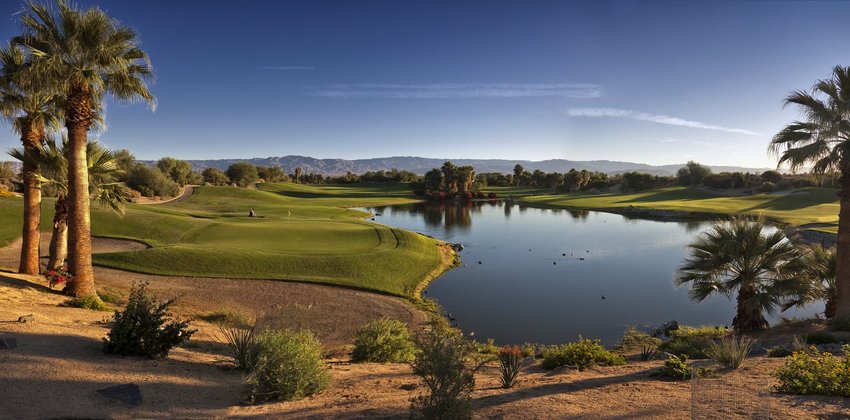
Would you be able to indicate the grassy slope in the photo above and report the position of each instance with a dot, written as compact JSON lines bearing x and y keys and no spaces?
{"x":803,"y":206}
{"x":301,"y":234}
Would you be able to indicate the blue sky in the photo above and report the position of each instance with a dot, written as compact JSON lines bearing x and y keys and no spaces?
{"x":653,"y":82}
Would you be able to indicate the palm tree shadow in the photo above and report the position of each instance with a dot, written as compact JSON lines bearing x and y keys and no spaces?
{"x":9,"y":281}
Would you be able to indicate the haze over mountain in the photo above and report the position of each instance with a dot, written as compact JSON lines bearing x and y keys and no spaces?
{"x":420,"y":165}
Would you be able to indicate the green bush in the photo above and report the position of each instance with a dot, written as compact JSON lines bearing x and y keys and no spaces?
{"x":242,"y":344}
{"x":692,"y":341}
{"x":145,"y":328}
{"x":531,"y":350}
{"x":289,"y":366}
{"x":730,"y":352}
{"x":779,"y":352}
{"x":384,"y":341}
{"x":677,"y":368}
{"x":445,"y":363}
{"x":639,"y":341}
{"x":839,"y":324}
{"x":489,"y":347}
{"x":820,"y":338}
{"x":87,"y":302}
{"x":582,"y":354}
{"x":813,"y":373}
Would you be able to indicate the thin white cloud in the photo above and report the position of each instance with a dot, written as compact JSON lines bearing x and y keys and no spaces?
{"x":694,"y":142}
{"x":289,"y":68}
{"x":658,"y":119}
{"x":456,"y":90}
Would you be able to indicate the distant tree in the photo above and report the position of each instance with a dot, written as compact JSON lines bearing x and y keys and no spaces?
{"x":433,"y":180}
{"x":243,"y":173}
{"x":741,"y":256}
{"x":771,"y":176}
{"x":450,"y":181}
{"x":124,"y":160}
{"x":635,"y":181}
{"x":151,"y":182}
{"x":180,"y":171}
{"x":215,"y":176}
{"x":297,"y":175}
{"x":692,"y":173}
{"x":7,"y":175}
{"x":272,"y":173}
{"x":518,"y":170}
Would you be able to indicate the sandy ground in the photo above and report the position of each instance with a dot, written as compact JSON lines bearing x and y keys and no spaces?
{"x":58,"y":366}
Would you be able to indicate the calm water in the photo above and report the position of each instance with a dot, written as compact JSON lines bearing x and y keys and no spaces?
{"x":526,"y":289}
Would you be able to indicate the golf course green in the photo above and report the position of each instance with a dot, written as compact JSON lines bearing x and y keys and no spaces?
{"x":300,"y":233}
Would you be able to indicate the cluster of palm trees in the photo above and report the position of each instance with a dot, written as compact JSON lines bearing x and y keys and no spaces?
{"x":767,"y":271}
{"x":55,"y":74}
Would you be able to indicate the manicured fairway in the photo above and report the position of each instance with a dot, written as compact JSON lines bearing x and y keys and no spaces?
{"x":301,"y":233}
{"x":799,"y":207}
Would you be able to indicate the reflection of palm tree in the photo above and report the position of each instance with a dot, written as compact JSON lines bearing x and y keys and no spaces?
{"x":53,"y":169}
{"x":739,"y":256}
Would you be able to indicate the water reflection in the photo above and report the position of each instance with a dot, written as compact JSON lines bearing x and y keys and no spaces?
{"x":542,"y":272}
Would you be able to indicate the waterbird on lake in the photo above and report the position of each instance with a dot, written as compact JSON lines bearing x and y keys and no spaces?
{"x":479,"y":262}
{"x":581,"y":258}
{"x":564,"y":254}
{"x":554,"y":263}
{"x":603,"y":297}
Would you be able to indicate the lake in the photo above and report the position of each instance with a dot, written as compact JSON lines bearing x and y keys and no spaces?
{"x":539,"y":275}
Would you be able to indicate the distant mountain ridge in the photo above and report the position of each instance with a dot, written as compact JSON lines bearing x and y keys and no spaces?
{"x":420,"y":165}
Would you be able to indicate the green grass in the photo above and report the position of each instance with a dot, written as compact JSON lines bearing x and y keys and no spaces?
{"x":515,"y":191}
{"x":799,"y":207}
{"x":303,"y":233}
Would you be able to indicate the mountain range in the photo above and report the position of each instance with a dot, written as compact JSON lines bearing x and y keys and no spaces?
{"x":420,"y":165}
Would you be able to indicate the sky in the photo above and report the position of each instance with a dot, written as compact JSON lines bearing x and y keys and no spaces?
{"x":643,"y":81}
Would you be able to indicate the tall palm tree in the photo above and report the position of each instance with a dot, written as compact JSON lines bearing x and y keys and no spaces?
{"x":823,"y":141}
{"x":53,"y":169}
{"x":86,"y":54}
{"x":819,"y":264}
{"x":741,"y":256}
{"x":32,"y":111}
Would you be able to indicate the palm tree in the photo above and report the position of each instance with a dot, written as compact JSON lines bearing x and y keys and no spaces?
{"x":741,"y":256}
{"x":53,"y":169}
{"x":85,"y":54}
{"x":32,"y":111}
{"x":823,"y":141}
{"x":819,"y":265}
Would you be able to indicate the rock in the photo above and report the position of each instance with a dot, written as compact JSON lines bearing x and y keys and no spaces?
{"x":8,"y":343}
{"x":668,"y":326}
{"x":829,"y":348}
{"x":408,"y":387}
{"x":128,"y":393}
{"x":457,"y":247}
{"x":25,"y":319}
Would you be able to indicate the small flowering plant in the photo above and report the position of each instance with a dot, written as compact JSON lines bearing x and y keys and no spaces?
{"x":58,"y":276}
{"x":510,"y":361}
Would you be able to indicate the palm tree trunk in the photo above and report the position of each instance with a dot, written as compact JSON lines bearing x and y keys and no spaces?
{"x":30,"y":236}
{"x":842,"y":273}
{"x":77,"y":120}
{"x":59,"y":240}
{"x":748,"y":317}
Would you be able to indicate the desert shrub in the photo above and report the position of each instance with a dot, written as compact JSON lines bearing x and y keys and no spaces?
{"x":145,"y":327}
{"x":489,"y":347}
{"x":229,"y":318}
{"x":692,"y":341}
{"x":677,"y":368}
{"x":730,"y":352}
{"x":510,"y":362}
{"x":839,"y":324}
{"x":151,"y":182}
{"x":384,"y":341}
{"x":582,"y":354}
{"x":779,"y":351}
{"x":635,"y":340}
{"x":288,"y":366}
{"x":813,"y":373}
{"x":445,"y":363}
{"x":820,"y":338}
{"x":767,"y":187}
{"x":87,"y":302}
{"x":531,"y":350}
{"x":242,"y":345}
